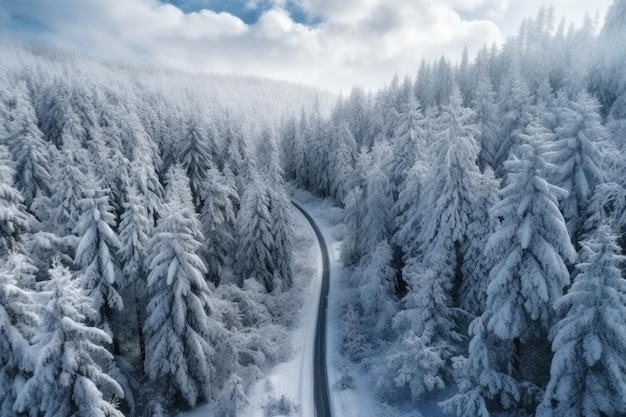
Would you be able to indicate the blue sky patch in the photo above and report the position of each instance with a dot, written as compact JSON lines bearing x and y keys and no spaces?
{"x":246,"y":10}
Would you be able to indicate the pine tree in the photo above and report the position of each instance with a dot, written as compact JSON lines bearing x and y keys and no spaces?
{"x":18,"y":322}
{"x":218,"y":224}
{"x":282,"y":238}
{"x":14,"y":221}
{"x":98,"y":245}
{"x":195,"y":154}
{"x":576,"y":155}
{"x":446,"y":205}
{"x":143,"y":176}
{"x":61,"y":212}
{"x":375,"y":279}
{"x":408,"y":141}
{"x":377,"y":223}
{"x":288,"y":144}
{"x":507,"y":355}
{"x":486,"y":119}
{"x":514,"y":108}
{"x":177,"y":329}
{"x":67,"y":379}
{"x":29,"y":150}
{"x":588,"y":372}
{"x":255,"y":242}
{"x":134,"y":231}
{"x":341,"y":160}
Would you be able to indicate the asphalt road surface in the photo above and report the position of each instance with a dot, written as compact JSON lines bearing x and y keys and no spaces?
{"x":321,"y":395}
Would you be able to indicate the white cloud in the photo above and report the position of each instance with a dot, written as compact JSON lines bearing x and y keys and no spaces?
{"x":357,"y":42}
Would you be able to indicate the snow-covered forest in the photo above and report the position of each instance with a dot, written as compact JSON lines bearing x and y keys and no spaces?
{"x":484,"y":206}
{"x":145,"y":235}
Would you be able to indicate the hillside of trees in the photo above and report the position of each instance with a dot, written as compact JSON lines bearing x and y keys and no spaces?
{"x":145,"y":235}
{"x":485,"y":206}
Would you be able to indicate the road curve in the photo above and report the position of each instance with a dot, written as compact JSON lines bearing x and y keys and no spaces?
{"x":321,"y":395}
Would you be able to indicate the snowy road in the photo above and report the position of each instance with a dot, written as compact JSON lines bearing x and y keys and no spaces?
{"x":321,"y":395}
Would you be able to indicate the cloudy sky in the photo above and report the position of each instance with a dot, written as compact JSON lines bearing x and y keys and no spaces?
{"x":333,"y":44}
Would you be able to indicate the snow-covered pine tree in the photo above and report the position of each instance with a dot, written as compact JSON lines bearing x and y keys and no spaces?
{"x":588,"y":372}
{"x":60,"y":213}
{"x":144,"y":177}
{"x":375,"y":279}
{"x":509,"y":350}
{"x":194,"y":153}
{"x":282,"y":237}
{"x":486,"y":110}
{"x":476,"y":264}
{"x":408,"y":142}
{"x":305,"y":134}
{"x":177,"y":328}
{"x":67,"y":379}
{"x":288,"y":143}
{"x":255,"y":242}
{"x":341,"y":160}
{"x":446,"y":205}
{"x":14,"y":220}
{"x":352,"y":249}
{"x":514,"y":109}
{"x":377,"y":223}
{"x":30,"y":152}
{"x":96,"y":259}
{"x":218,"y":224}
{"x":578,"y":160}
{"x":134,"y":232}
{"x":18,"y":322}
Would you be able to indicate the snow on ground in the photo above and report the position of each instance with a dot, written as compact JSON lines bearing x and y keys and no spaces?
{"x":358,"y":400}
{"x":292,"y":379}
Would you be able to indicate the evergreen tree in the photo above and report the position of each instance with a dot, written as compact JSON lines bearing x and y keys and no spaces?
{"x":282,"y":238}
{"x":377,"y":223}
{"x":14,"y":221}
{"x":67,"y":379}
{"x":486,"y":119}
{"x":588,"y":372}
{"x":288,"y":144}
{"x":507,"y":354}
{"x":255,"y":242}
{"x":341,"y":160}
{"x":514,"y":108}
{"x":218,"y":224}
{"x":446,"y":206}
{"x":61,"y":212}
{"x":134,"y":231}
{"x":29,"y":150}
{"x":177,"y":329}
{"x":143,"y":176}
{"x":95,"y":256}
{"x":408,"y":141}
{"x":18,"y":322}
{"x":578,"y":160}
{"x":194,"y":154}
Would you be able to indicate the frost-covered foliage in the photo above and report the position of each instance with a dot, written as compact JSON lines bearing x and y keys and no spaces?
{"x":588,"y":372}
{"x":85,"y":151}
{"x":178,"y":324}
{"x":18,"y":324}
{"x":539,"y":119}
{"x":577,"y":156}
{"x":67,"y":378}
{"x":95,"y":257}
{"x":14,"y":221}
{"x":532,"y":249}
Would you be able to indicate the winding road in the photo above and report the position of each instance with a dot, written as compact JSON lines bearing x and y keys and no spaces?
{"x":321,"y":393}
